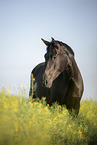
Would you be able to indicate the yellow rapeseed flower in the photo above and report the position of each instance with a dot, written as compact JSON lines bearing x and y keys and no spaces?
{"x":69,"y":126}
{"x":40,"y":105}
{"x":80,"y":125}
{"x":74,"y":132}
{"x":60,"y":115}
{"x":8,"y":90}
{"x":30,"y":103}
{"x":79,"y":132}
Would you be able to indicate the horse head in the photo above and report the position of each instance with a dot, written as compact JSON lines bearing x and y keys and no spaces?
{"x":56,"y":60}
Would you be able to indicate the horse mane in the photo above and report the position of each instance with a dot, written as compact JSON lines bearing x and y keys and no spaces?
{"x":68,"y":47}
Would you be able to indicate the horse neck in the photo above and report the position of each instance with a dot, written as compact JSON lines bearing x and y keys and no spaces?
{"x":72,"y":69}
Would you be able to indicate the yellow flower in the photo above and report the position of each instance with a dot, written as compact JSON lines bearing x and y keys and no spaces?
{"x":74,"y":132}
{"x":69,"y":126}
{"x":81,"y":126}
{"x":46,"y":109}
{"x":40,"y":105}
{"x":33,"y":99}
{"x":30,"y":103}
{"x":60,"y":115}
{"x":79,"y":132}
{"x":8,"y":91}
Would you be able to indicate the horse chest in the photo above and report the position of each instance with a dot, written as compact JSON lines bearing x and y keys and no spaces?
{"x":58,"y":88}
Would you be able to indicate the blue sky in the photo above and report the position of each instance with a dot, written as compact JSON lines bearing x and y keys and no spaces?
{"x":24,"y":22}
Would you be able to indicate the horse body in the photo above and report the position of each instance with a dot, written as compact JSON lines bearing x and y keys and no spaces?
{"x":58,"y":78}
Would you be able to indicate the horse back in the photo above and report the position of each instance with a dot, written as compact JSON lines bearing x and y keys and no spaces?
{"x":38,"y":72}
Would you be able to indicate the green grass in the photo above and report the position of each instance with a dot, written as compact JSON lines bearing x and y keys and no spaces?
{"x":26,"y":123}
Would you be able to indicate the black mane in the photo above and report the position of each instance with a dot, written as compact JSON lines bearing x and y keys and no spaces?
{"x":68,"y":47}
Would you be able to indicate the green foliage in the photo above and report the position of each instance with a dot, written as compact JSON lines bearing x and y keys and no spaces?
{"x":23,"y":122}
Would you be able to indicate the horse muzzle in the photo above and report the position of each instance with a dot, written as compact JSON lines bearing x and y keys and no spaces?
{"x":46,"y":82}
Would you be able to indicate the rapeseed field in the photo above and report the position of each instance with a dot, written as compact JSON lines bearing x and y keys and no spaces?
{"x":26,"y":122}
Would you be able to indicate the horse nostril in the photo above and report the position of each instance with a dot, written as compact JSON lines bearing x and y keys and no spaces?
{"x":46,"y":82}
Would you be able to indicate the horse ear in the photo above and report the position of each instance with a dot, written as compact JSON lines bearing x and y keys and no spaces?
{"x":45,"y":42}
{"x":53,"y":40}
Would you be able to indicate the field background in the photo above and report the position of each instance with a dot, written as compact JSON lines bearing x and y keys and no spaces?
{"x":22,"y":25}
{"x":23,"y":122}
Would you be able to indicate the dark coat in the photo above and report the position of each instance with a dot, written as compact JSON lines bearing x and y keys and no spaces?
{"x":58,"y":78}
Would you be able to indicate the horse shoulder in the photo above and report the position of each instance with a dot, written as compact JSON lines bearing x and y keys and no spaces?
{"x":38,"y":69}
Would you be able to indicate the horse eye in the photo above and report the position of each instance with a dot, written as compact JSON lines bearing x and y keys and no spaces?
{"x":55,"y":56}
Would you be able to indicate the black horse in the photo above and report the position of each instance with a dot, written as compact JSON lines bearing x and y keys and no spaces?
{"x":58,"y":78}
